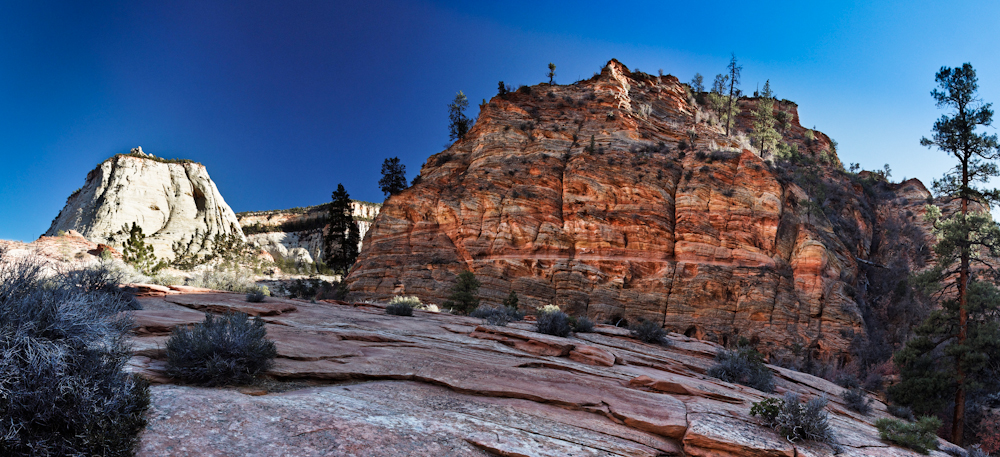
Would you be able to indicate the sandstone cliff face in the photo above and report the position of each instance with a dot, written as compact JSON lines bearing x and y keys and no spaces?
{"x":663,"y":219}
{"x":297,"y":233}
{"x":169,"y":201}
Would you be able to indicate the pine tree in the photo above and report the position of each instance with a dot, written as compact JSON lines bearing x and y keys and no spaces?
{"x":718,"y":101}
{"x":552,"y":73}
{"x":342,"y":237}
{"x":139,"y":254}
{"x":393,"y":177}
{"x":511,"y":300}
{"x":459,"y":123}
{"x":734,"y":92}
{"x":698,"y":83}
{"x":764,"y":135}
{"x":953,"y":332}
{"x":463,"y":294}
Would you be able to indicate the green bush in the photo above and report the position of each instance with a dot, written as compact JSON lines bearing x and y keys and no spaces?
{"x":744,"y":365}
{"x":649,"y":332}
{"x":553,"y":323}
{"x":796,"y":420}
{"x":138,"y":254}
{"x":64,"y":344}
{"x":228,"y":349}
{"x":919,"y":436}
{"x":463,"y":295}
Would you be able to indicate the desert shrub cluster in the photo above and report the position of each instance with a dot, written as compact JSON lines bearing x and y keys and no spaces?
{"x":222,"y":350}
{"x":649,"y":332}
{"x":497,"y":315}
{"x":582,"y":325}
{"x":63,"y":385}
{"x":856,"y":399}
{"x":314,"y":289}
{"x":553,"y":323}
{"x":796,"y":420}
{"x":224,"y":279}
{"x":743,"y":365}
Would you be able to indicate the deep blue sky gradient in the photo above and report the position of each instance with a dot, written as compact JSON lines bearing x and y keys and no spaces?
{"x":283,"y":100}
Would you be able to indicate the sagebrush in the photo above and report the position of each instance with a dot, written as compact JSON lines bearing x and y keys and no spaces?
{"x":63,"y":385}
{"x":399,"y":309}
{"x":497,"y":315}
{"x":797,"y":420}
{"x":224,"y":279}
{"x":553,"y":323}
{"x":583,"y":325}
{"x":222,"y":350}
{"x":856,"y":399}
{"x":649,"y":332}
{"x":743,"y":365}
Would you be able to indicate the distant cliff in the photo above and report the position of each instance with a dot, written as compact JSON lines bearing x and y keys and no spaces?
{"x":297,"y":233}
{"x":171,"y":200}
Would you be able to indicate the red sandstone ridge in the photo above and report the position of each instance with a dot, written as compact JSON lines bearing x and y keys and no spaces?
{"x":710,"y":240}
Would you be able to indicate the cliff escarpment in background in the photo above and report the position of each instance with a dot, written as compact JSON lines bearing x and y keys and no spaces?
{"x":171,"y":200}
{"x":296,"y":234}
{"x":621,"y":197}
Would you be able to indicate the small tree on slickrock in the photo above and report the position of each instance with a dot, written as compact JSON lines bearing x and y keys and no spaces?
{"x":393,"y":177}
{"x":139,"y":254}
{"x":343,"y":236}
{"x":463,"y":294}
{"x":552,"y":73}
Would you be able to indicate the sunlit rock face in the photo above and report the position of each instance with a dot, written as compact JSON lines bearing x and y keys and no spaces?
{"x":618,"y":196}
{"x":170,"y":201}
{"x":297,"y":234}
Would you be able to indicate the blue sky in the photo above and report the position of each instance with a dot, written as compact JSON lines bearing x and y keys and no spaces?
{"x":283,"y":100}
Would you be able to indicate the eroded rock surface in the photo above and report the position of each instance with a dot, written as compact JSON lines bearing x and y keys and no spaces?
{"x":351,"y":380}
{"x":171,"y":202}
{"x":618,"y":196}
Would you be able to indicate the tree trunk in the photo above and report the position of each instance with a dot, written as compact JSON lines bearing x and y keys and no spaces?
{"x":958,"y":416}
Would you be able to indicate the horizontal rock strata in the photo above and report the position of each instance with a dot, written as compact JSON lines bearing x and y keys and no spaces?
{"x":619,"y":197}
{"x":351,"y":380}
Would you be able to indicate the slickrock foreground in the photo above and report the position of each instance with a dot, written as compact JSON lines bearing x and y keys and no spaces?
{"x":619,"y":196}
{"x":351,"y":380}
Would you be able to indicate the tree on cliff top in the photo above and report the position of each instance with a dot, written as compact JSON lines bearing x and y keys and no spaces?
{"x":764,"y":135}
{"x":393,"y":177}
{"x":552,"y":73}
{"x":734,"y":92}
{"x":947,"y":355}
{"x":341,"y":243}
{"x":459,"y":124}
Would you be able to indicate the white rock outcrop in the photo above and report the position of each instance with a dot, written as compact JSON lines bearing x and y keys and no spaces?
{"x":301,"y":245}
{"x":169,"y":201}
